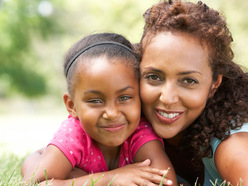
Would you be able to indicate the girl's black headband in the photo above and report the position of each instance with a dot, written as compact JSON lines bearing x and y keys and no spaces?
{"x":69,"y":64}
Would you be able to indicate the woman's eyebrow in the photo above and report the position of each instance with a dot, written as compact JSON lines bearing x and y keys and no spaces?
{"x":180,"y":73}
{"x":153,"y":69}
{"x":189,"y":72}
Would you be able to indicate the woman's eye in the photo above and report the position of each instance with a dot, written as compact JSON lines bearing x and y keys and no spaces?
{"x":124,"y":98}
{"x":190,"y":81}
{"x":153,"y":77}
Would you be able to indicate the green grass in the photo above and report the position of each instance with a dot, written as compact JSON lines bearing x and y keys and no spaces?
{"x":10,"y":172}
{"x":10,"y":169}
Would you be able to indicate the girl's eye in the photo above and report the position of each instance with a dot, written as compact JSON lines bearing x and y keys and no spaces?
{"x":95,"y":101}
{"x":124,"y":98}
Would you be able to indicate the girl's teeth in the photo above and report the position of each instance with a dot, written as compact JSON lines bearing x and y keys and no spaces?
{"x":171,"y":115}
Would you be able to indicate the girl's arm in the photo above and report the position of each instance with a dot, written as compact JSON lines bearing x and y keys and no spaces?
{"x":231,"y":158}
{"x":52,"y":163}
{"x":134,"y":174}
{"x":131,"y":175}
{"x":30,"y":162}
{"x":154,"y":151}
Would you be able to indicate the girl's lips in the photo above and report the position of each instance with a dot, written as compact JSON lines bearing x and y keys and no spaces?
{"x":113,"y":129}
{"x":167,"y":117}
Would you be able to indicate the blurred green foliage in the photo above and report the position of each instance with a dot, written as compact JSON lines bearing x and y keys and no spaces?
{"x":33,"y":42}
{"x":20,"y":22}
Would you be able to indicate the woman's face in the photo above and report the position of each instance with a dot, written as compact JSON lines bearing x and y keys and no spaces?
{"x":176,"y":81}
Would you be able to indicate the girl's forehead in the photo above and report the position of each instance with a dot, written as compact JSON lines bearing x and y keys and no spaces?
{"x":103,"y":63}
{"x":101,"y":74}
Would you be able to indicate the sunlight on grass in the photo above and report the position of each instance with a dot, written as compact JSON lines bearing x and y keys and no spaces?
{"x":10,"y":166}
{"x":10,"y":175}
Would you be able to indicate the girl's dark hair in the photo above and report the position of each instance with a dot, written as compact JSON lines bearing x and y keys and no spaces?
{"x":228,"y":108}
{"x":109,"y":50}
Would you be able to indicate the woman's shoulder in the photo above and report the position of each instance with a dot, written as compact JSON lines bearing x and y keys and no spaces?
{"x":230,"y":145}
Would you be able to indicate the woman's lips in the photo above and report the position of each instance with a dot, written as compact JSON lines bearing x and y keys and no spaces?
{"x":167,"y":117}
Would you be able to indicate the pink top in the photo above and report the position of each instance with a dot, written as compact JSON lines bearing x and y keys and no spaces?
{"x":83,"y":152}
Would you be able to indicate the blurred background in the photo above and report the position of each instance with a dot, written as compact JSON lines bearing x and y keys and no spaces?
{"x":34,"y":37}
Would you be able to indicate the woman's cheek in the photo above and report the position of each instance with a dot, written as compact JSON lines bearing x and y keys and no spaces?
{"x":148,"y":94}
{"x":194,"y":100}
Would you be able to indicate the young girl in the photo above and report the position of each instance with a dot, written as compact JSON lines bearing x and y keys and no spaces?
{"x":104,"y":130}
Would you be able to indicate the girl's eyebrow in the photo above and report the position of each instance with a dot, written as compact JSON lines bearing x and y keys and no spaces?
{"x":93,"y":91}
{"x":125,"y":88}
{"x":100,"y":93}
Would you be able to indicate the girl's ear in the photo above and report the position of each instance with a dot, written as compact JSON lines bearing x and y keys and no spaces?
{"x":215,"y":86}
{"x":69,"y":104}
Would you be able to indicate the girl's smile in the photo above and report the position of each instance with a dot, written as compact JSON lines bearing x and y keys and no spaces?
{"x":113,"y":128}
{"x":106,"y":100}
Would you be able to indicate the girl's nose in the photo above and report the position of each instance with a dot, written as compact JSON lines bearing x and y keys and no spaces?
{"x":111,"y":112}
{"x":169,"y":94}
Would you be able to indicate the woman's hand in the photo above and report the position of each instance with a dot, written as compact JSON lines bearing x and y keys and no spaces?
{"x":139,"y":174}
{"x":131,"y":175}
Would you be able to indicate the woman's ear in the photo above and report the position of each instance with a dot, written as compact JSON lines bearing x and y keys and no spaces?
{"x":69,"y":104}
{"x":215,"y":86}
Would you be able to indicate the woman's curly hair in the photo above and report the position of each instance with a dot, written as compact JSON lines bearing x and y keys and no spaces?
{"x":228,"y":108}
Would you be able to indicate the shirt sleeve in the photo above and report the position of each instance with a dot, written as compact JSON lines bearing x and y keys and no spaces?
{"x":69,"y":140}
{"x":143,"y":134}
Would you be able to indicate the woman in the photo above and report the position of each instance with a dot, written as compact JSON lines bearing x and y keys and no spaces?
{"x":193,"y":94}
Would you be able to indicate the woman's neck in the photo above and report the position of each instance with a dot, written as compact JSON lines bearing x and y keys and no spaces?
{"x":174,"y":141}
{"x":111,"y":156}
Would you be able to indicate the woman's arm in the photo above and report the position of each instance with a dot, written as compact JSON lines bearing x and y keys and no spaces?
{"x":231,"y":158}
{"x":154,"y":151}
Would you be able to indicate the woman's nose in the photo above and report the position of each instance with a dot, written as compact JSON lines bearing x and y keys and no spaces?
{"x":111,"y":112}
{"x":169,"y":94}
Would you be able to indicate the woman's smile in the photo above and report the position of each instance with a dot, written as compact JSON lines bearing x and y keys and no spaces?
{"x":168,"y":117}
{"x":176,"y":81}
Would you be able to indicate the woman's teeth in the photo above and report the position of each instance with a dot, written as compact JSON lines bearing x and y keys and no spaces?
{"x":171,"y":115}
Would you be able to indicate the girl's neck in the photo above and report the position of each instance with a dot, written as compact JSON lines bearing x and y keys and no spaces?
{"x":111,"y":155}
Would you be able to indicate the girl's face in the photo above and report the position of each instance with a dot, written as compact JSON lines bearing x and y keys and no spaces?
{"x":176,"y":81}
{"x":106,"y":100}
